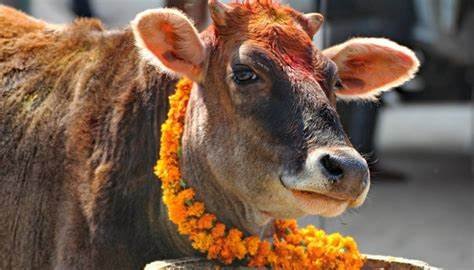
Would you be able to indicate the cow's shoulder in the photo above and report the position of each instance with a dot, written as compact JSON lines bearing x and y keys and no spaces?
{"x":14,"y":23}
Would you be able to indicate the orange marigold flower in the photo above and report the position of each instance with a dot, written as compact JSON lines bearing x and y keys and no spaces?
{"x":234,"y":235}
{"x":239,"y":250}
{"x":252,"y":243}
{"x":264,"y":255}
{"x":226,"y":255}
{"x":214,"y":251}
{"x":187,"y":227}
{"x":293,"y":238}
{"x":186,"y":194}
{"x":206,"y":221}
{"x":202,"y":241}
{"x":218,"y":230}
{"x":284,"y":227}
{"x":196,"y":210}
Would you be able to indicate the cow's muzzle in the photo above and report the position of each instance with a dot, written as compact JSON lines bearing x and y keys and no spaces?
{"x":331,"y":174}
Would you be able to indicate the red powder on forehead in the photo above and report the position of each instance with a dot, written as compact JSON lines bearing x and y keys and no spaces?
{"x":267,"y":11}
{"x":282,"y":31}
{"x":287,"y":43}
{"x":252,"y":4}
{"x":292,"y":46}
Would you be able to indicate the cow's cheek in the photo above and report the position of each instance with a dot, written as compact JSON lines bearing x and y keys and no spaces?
{"x":275,"y":200}
{"x":259,"y":183}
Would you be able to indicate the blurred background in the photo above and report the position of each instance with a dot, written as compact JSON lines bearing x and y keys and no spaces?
{"x":418,"y":138}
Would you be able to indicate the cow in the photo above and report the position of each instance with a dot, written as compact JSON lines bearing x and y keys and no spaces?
{"x":80,"y":115}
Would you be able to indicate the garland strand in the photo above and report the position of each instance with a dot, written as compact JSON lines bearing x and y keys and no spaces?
{"x":292,"y":248}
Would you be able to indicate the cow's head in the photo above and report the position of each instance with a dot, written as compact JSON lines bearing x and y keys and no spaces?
{"x":262,"y":116}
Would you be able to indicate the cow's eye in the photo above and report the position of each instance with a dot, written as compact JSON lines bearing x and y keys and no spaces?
{"x":338,"y":84}
{"x":242,"y":74}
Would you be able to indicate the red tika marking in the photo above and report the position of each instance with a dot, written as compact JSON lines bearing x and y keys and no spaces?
{"x":274,"y":27}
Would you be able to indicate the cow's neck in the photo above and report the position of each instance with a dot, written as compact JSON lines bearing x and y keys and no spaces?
{"x":228,"y":208}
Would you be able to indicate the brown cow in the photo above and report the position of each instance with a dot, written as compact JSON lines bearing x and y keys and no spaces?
{"x":81,"y":109}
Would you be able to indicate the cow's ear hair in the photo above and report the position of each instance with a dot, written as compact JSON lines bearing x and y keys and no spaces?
{"x":368,"y":66}
{"x":169,"y":40}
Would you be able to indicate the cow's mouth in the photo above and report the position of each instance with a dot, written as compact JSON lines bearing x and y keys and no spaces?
{"x":311,"y":195}
{"x":318,"y":203}
{"x":315,"y":203}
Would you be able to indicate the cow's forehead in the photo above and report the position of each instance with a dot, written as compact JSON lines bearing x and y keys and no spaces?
{"x":290,"y":45}
{"x":263,"y":11}
{"x":279,"y":30}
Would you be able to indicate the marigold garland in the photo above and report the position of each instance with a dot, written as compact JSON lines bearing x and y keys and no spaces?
{"x":292,"y":248}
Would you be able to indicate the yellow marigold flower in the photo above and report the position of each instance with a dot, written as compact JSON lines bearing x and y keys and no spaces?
{"x":334,"y":239}
{"x":350,"y":244}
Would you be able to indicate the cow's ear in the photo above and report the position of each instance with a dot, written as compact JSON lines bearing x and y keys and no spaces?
{"x":368,"y":66}
{"x":168,"y":39}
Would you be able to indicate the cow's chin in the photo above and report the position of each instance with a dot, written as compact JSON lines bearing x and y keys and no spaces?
{"x":304,"y":203}
{"x":293,"y":203}
{"x":301,"y":203}
{"x":314,"y":206}
{"x":313,"y":203}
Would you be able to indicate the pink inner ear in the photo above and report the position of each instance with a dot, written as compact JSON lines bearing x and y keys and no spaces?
{"x":405,"y":59}
{"x":373,"y":68}
{"x":356,"y":62}
{"x":170,"y":41}
{"x":159,"y":39}
{"x":353,"y":86}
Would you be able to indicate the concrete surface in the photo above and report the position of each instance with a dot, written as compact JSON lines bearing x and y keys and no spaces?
{"x":443,"y":127}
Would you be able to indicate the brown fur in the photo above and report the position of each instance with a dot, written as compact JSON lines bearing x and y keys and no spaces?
{"x":80,"y":112}
{"x":79,"y":122}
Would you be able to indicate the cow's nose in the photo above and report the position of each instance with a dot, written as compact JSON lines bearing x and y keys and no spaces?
{"x":345,"y":169}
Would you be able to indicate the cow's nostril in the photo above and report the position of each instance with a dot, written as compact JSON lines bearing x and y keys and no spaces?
{"x":331,"y":167}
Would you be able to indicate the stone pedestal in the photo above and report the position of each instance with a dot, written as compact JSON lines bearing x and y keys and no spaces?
{"x":374,"y":262}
